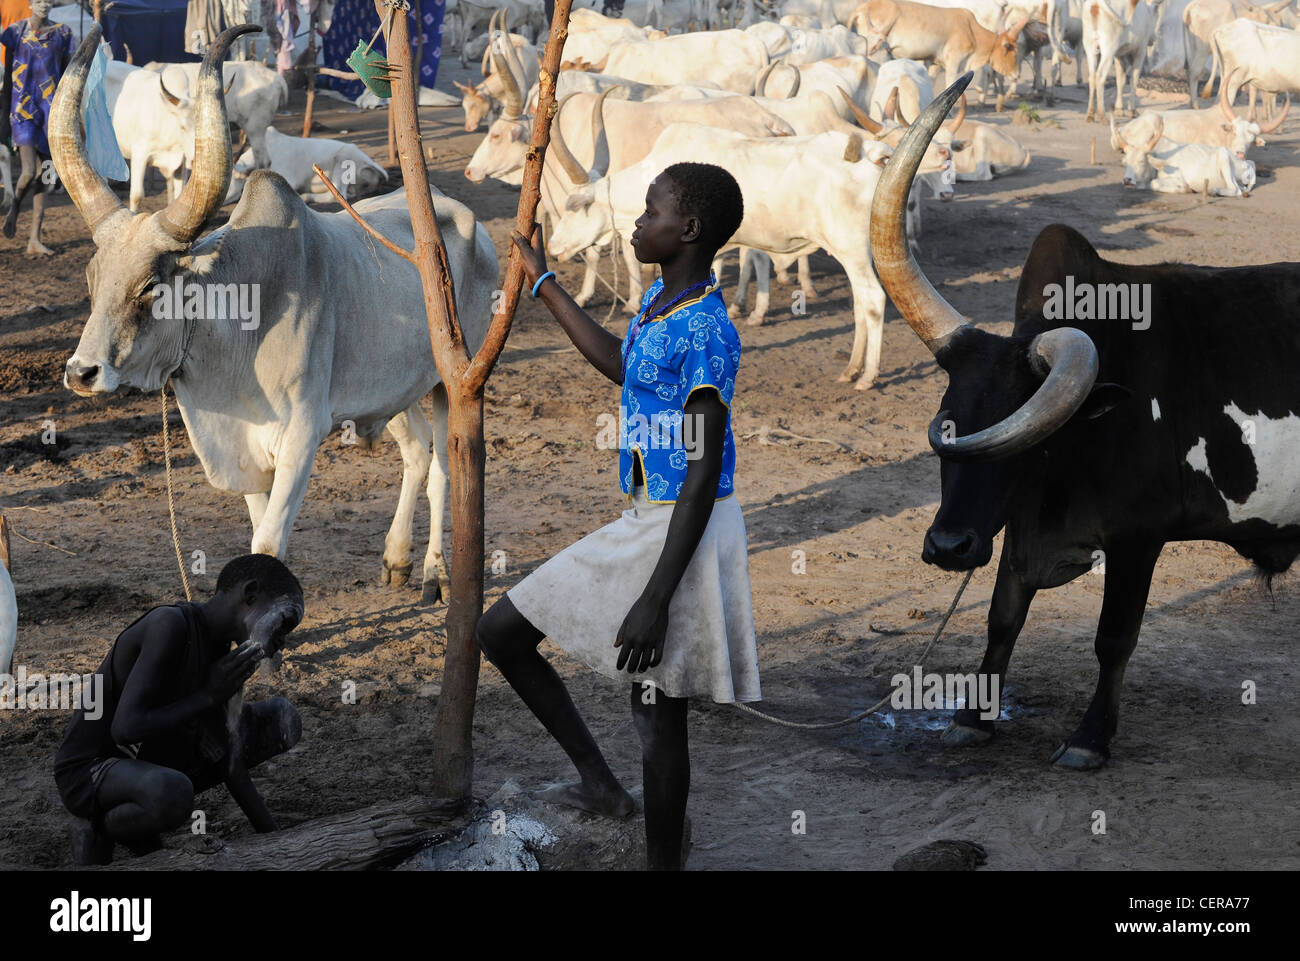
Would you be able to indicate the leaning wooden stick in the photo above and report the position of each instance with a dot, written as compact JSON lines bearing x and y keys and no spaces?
{"x":4,"y":543}
{"x":464,"y":378}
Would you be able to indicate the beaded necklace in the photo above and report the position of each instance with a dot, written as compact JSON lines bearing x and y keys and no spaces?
{"x":646,"y":318}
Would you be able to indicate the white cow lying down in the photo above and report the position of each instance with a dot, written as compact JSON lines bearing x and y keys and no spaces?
{"x":1172,"y":168}
{"x":292,"y":158}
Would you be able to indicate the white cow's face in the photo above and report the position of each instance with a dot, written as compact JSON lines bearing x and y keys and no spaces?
{"x":501,"y":153}
{"x":124,"y":341}
{"x":585,"y":223}
{"x":1244,"y":136}
{"x":1138,"y":169}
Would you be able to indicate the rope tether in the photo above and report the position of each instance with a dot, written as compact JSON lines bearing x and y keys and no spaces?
{"x":883,"y":701}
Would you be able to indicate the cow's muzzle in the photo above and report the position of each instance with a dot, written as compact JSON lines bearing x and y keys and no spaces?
{"x":84,"y":379}
{"x":955,"y":550}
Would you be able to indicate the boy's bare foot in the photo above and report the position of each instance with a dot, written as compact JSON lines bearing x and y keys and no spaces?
{"x":90,"y":845}
{"x":37,"y":249}
{"x":612,"y":804}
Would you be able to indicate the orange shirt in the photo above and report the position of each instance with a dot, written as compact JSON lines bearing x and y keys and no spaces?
{"x":11,"y":11}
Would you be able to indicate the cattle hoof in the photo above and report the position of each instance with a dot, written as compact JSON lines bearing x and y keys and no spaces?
{"x":1078,"y":758}
{"x":431,"y":593}
{"x":810,"y":294}
{"x":755,"y":320}
{"x":395,"y":576}
{"x":961,"y":735}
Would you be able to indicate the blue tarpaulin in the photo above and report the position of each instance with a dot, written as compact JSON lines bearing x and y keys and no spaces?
{"x":153,"y":29}
{"x":358,"y":20}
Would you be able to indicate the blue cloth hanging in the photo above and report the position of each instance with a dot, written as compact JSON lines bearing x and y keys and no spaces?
{"x":101,"y":142}
{"x":355,"y":20}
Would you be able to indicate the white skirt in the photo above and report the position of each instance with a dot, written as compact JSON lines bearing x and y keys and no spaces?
{"x":580,"y":596}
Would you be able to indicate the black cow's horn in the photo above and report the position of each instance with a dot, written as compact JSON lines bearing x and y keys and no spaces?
{"x":204,"y":192}
{"x":88,"y":190}
{"x":1069,"y":359}
{"x":933,"y":318}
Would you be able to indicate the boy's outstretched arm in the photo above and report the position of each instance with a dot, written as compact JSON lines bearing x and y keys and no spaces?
{"x":602,"y":349}
{"x":641,"y":638}
{"x":149,"y":705}
{"x":240,"y":785}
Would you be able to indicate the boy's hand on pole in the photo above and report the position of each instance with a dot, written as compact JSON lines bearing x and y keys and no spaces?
{"x":531,"y":255}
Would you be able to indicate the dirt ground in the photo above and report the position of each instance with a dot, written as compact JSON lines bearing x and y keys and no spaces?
{"x":1197,"y":778}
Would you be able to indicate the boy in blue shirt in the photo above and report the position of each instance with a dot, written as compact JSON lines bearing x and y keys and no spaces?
{"x":663,"y":592}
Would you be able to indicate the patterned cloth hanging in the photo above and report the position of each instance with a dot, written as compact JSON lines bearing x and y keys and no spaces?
{"x":358,"y":20}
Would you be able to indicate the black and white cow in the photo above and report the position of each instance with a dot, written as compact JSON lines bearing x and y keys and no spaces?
{"x":1101,"y":439}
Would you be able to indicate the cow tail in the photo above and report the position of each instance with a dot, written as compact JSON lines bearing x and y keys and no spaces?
{"x":1216,"y":66}
{"x":284,"y":90}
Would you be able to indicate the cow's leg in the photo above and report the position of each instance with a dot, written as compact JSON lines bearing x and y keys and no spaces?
{"x":748,"y":258}
{"x":805,"y":279}
{"x":413,"y":434}
{"x":635,"y":289}
{"x":591,"y":257}
{"x":763,"y":278}
{"x":138,"y":168}
{"x":437,"y":579}
{"x":293,"y":462}
{"x":1094,"y":114}
{"x":868,"y":327}
{"x":257,"y":506}
{"x":1007,"y":612}
{"x":1128,"y":581}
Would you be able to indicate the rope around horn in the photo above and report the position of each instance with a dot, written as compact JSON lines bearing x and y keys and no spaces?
{"x":883,"y":701}
{"x":171,"y":500}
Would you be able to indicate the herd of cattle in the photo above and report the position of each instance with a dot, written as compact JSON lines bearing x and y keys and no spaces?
{"x":1056,"y":433}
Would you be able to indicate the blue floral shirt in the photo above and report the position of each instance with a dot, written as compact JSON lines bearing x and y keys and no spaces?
{"x":693,"y":347}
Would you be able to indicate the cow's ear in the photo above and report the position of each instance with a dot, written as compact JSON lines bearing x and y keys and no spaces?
{"x":1102,"y":399}
{"x":959,"y":145}
{"x":1226,"y":126}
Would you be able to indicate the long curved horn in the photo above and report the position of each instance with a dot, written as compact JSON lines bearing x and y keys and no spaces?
{"x":1068,"y":357}
{"x":761,"y":83}
{"x":512,"y":53}
{"x":1224,"y":105}
{"x":206,"y":189}
{"x":891,"y":106}
{"x":172,"y":99}
{"x":598,"y":115}
{"x":932,"y":318}
{"x":1277,"y":121}
{"x":1119,"y":137}
{"x":563,"y":156}
{"x":483,"y":67}
{"x":514,"y":98}
{"x":864,"y":120}
{"x":88,"y":190}
{"x":798,"y":79}
{"x":1155,"y":137}
{"x":954,"y":124}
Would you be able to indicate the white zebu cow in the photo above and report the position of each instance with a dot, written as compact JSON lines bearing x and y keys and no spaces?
{"x":529,"y":16}
{"x":1065,"y":33}
{"x":824,"y":204}
{"x":1266,"y":56}
{"x":1184,"y":168}
{"x":347,"y":165}
{"x":153,"y":126}
{"x":1215,"y":127}
{"x":982,"y":151}
{"x":254,"y":93}
{"x":340,"y":332}
{"x":1114,"y":32}
{"x":825,"y":12}
{"x":592,"y":34}
{"x":1201,"y":18}
{"x":914,"y":86}
{"x":855,"y":75}
{"x":732,"y":59}
{"x":483,"y":100}
{"x":1168,"y":54}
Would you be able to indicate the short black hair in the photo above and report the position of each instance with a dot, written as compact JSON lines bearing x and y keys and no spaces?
{"x":271,"y":575}
{"x":712,"y":194}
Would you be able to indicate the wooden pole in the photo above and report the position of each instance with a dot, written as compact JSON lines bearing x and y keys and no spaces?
{"x":464,"y":378}
{"x":4,"y":543}
{"x":311,"y":78}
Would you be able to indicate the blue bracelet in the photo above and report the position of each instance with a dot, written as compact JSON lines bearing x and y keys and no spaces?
{"x":541,"y":280}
